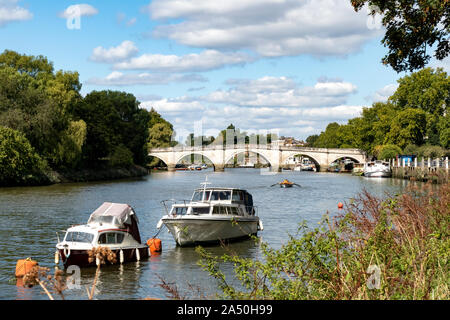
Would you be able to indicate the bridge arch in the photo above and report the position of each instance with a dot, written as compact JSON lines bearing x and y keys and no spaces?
{"x":345,"y":157}
{"x":162,"y":159}
{"x":194,"y":153}
{"x":286,"y":157}
{"x":238,"y":152}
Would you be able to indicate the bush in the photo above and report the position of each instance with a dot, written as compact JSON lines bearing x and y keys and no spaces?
{"x":411,"y":149}
{"x":19,"y":163}
{"x":389,"y":151}
{"x":432,"y":152}
{"x":122,"y":157}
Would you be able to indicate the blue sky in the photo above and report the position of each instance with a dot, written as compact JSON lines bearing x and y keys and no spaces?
{"x":288,"y":66}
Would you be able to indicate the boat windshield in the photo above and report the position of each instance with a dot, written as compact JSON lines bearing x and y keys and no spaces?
{"x":220,"y":195}
{"x":83,"y":237}
{"x":198,"y":196}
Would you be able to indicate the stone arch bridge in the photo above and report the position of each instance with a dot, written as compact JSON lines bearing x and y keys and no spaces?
{"x":277,"y":156}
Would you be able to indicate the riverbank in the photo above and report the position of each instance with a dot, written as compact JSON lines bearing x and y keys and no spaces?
{"x":434,"y":175}
{"x":98,"y":174}
{"x":102,"y":173}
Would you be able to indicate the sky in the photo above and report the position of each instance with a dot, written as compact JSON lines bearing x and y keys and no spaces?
{"x":289,"y":67}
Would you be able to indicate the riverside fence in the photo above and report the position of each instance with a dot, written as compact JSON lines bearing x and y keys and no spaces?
{"x":434,"y":170}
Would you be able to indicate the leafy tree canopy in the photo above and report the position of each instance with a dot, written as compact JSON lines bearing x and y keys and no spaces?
{"x":412,"y":26}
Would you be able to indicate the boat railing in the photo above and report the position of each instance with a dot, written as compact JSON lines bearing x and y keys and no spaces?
{"x":167,"y":204}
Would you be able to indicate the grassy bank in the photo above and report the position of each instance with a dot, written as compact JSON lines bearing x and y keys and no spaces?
{"x":391,"y":248}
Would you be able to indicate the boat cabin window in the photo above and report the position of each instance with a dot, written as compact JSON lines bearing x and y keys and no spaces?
{"x":83,"y":237}
{"x":226,"y":210}
{"x":102,"y":219}
{"x":220,"y":210}
{"x":220,"y":195}
{"x":111,"y":238}
{"x":238,"y":197}
{"x":179,"y":211}
{"x":200,"y":210}
{"x":198,"y":196}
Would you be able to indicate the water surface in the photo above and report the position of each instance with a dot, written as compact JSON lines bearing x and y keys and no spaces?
{"x":30,"y":218}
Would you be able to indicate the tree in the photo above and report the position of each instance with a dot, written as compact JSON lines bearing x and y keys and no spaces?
{"x":311,"y":140}
{"x":328,"y":138}
{"x":389,"y":151}
{"x":36,"y":101}
{"x":427,"y":89}
{"x":19,"y":163}
{"x":408,"y":127}
{"x":69,"y":150}
{"x":412,"y":26}
{"x":113,"y":118}
{"x":444,"y":131}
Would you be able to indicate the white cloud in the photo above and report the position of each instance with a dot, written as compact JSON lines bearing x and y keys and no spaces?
{"x":196,"y":62}
{"x":10,"y":12}
{"x":269,"y":27}
{"x":78,"y":9}
{"x":120,"y":79}
{"x":384,"y":93}
{"x":268,"y":103}
{"x":282,"y":92}
{"x":125,"y":50}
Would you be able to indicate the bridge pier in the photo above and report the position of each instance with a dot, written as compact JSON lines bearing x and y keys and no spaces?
{"x":219,"y":167}
{"x":323,"y":168}
{"x":171,"y":167}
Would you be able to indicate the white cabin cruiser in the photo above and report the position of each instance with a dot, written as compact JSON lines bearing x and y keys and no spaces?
{"x":211,"y":216}
{"x":112,"y":225}
{"x":377,"y":169}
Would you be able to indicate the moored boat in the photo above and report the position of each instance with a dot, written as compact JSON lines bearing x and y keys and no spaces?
{"x":112,"y":225}
{"x":377,"y":169}
{"x":211,"y":216}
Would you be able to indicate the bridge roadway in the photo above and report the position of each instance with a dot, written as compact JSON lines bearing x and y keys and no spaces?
{"x":277,"y":156}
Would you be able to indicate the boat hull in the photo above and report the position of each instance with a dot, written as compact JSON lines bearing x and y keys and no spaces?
{"x":81,"y":257}
{"x":378,"y":174}
{"x":286,"y":185}
{"x":189,"y":232}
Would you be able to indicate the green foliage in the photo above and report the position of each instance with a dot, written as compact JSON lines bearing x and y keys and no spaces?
{"x":444,"y":131}
{"x":160,"y":135}
{"x":389,"y":151}
{"x":311,"y":140}
{"x":393,"y":248}
{"x":19,"y":163}
{"x":66,"y":130}
{"x":411,"y":149}
{"x":427,"y":89}
{"x":113,"y":118}
{"x":433,"y":152}
{"x":408,"y":127}
{"x":69,"y":150}
{"x":411,"y":27}
{"x":122,"y":157}
{"x":35,"y":100}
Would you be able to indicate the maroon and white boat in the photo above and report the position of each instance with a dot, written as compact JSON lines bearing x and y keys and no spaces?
{"x":112,"y":225}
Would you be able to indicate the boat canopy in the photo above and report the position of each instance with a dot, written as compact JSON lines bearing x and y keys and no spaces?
{"x":119,"y":214}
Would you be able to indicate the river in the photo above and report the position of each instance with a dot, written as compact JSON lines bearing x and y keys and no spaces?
{"x":31,"y":216}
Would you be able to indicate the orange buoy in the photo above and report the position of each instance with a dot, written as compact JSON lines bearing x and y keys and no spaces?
{"x":340,"y":205}
{"x":23,"y":266}
{"x":155,"y":245}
